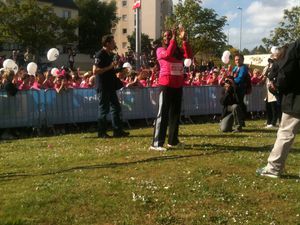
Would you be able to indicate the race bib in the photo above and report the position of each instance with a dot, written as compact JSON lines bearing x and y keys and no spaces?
{"x":176,"y":69}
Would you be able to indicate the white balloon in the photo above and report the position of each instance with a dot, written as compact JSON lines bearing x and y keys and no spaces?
{"x":8,"y":64}
{"x":31,"y":68}
{"x":225,"y":59}
{"x":274,"y":49}
{"x":127,"y":65}
{"x":52,"y":54}
{"x":226,"y":53}
{"x":54,"y":71}
{"x":187,"y":62}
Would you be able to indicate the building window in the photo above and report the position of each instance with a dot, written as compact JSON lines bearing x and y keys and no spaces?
{"x":113,"y":30}
{"x":124,"y":3}
{"x":66,"y":14}
{"x":124,"y":17}
{"x":124,"y":44}
{"x":124,"y":31}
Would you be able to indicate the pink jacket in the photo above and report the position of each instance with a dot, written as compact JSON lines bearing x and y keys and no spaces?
{"x":171,"y":69}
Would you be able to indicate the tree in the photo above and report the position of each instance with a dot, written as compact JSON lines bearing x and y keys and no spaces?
{"x":245,"y":51}
{"x":145,"y":43}
{"x":203,"y":26}
{"x":259,"y":50}
{"x":288,"y":30}
{"x":96,"y":19}
{"x":29,"y":25}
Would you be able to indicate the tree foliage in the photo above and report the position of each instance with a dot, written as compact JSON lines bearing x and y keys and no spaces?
{"x":145,"y":43}
{"x":287,"y":31}
{"x":203,"y":26}
{"x":96,"y":18}
{"x":30,"y":25}
{"x":259,"y":50}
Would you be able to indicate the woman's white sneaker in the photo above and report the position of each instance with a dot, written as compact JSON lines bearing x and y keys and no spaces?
{"x":158,"y":148}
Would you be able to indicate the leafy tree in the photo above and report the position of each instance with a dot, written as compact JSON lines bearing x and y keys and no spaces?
{"x":259,"y":50}
{"x":30,"y":25}
{"x":287,"y":31}
{"x":145,"y":43}
{"x":96,"y":18}
{"x":246,"y":51}
{"x":203,"y":26}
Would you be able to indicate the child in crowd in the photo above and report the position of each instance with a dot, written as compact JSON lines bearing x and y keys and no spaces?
{"x":25,"y":85}
{"x":7,"y":82}
{"x":49,"y":80}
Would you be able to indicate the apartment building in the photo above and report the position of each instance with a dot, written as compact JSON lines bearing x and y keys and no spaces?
{"x":153,"y":13}
{"x":62,"y":8}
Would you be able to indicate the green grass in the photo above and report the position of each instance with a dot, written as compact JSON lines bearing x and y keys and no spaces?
{"x":79,"y":179}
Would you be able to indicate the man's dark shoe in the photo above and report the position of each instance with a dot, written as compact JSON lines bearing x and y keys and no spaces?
{"x":103,"y":135}
{"x":120,"y":133}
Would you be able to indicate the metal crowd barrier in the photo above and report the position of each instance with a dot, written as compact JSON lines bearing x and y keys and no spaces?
{"x":22,"y":110}
{"x":45,"y":108}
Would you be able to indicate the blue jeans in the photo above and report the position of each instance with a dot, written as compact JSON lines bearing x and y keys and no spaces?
{"x":109,"y":99}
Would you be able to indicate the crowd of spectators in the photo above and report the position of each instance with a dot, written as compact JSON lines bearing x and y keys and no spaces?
{"x":65,"y":78}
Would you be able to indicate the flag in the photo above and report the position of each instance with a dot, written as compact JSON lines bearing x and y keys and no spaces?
{"x":137,"y":4}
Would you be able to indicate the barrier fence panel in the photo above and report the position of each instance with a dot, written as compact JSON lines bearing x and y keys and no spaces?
{"x":36,"y":108}
{"x":85,"y":105}
{"x":59,"y":107}
{"x":202,"y":100}
{"x":138,"y":103}
{"x":255,"y":101}
{"x":22,"y":110}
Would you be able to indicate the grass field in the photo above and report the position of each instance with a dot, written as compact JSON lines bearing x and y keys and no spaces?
{"x":81,"y":180}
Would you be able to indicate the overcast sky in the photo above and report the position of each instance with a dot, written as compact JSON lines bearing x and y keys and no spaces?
{"x":259,"y":18}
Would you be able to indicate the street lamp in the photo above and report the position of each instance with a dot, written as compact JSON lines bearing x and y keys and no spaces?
{"x":241,"y":26}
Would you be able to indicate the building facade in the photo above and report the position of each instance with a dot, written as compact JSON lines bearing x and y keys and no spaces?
{"x":63,"y":8}
{"x":153,"y":14}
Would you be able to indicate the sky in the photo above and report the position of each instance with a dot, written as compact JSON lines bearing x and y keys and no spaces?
{"x":259,"y":17}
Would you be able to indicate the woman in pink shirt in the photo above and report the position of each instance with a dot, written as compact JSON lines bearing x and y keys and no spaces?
{"x":85,"y":80}
{"x":25,"y":85}
{"x":49,"y":80}
{"x":171,"y":80}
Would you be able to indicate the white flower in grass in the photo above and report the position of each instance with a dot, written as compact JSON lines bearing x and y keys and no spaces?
{"x":134,"y":197}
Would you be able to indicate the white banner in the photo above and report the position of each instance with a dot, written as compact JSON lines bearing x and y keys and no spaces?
{"x":257,"y":60}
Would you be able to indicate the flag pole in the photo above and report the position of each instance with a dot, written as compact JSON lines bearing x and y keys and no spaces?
{"x":138,"y":39}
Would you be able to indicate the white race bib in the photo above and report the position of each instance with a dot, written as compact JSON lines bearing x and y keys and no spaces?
{"x":176,"y":69}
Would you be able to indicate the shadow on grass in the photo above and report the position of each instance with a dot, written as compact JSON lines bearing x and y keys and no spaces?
{"x":263,"y":148}
{"x":260,"y":130}
{"x":290,"y":177}
{"x":206,"y":150}
{"x":12,"y":176}
{"x":130,"y":136}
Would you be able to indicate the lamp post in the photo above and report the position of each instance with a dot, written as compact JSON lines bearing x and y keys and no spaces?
{"x":241,"y":26}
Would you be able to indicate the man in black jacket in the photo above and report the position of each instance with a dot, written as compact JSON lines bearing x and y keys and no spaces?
{"x":286,"y":77}
{"x":232,"y":113}
{"x":106,"y":82}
